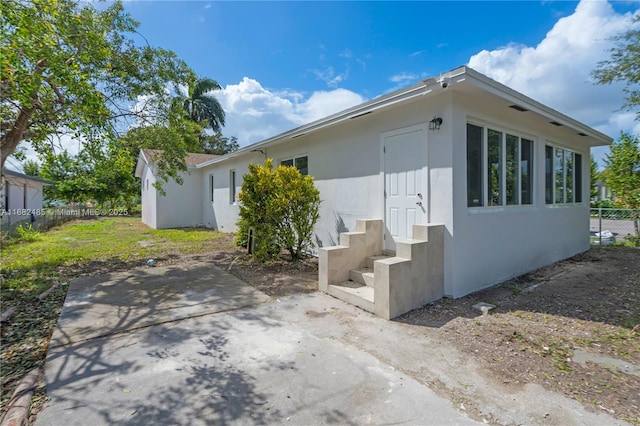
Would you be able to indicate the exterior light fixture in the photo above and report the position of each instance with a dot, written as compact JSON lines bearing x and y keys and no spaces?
{"x":435,"y":123}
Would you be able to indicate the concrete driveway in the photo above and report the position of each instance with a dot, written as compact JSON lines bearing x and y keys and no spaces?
{"x":178,"y":346}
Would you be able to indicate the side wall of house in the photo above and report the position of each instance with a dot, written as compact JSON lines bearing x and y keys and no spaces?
{"x":148,"y":196}
{"x":345,"y":161}
{"x":219,"y":204}
{"x":24,"y":194}
{"x":493,"y":244}
{"x":179,"y":207}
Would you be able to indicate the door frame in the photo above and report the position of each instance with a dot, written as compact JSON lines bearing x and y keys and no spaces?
{"x":425,"y":171}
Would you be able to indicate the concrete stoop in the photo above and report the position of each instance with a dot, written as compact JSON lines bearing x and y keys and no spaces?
{"x":357,"y":272}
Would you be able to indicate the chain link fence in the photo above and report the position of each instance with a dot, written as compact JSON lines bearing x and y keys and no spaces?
{"x":614,"y":226}
{"x":39,"y":219}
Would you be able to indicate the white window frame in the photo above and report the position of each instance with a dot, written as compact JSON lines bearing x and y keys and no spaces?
{"x":484,"y":191}
{"x":211,"y":189}
{"x":577,"y":174}
{"x":294,"y":159}
{"x":232,"y":186}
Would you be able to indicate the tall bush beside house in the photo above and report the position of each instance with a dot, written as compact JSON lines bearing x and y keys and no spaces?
{"x":297,"y":202}
{"x":256,"y":211}
{"x":281,"y":206}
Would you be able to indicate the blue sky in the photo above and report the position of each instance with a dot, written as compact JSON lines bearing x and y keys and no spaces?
{"x":284,"y":64}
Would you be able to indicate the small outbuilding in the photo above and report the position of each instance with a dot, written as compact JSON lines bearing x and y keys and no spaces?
{"x":21,"y":195}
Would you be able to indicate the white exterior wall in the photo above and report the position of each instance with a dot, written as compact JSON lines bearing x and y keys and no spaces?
{"x":493,"y":244}
{"x":148,"y":196}
{"x":345,"y":161}
{"x":18,"y":199}
{"x":179,"y":207}
{"x":223,"y":213}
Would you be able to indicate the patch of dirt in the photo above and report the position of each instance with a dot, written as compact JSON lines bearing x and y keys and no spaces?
{"x":572,"y":327}
{"x":277,"y":278}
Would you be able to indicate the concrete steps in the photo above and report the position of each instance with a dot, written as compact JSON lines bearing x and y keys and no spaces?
{"x":362,"y":276}
{"x":355,"y":293}
{"x":359,"y":272}
{"x":359,"y":290}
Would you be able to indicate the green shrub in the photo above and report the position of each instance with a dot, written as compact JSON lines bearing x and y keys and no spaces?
{"x":281,"y":206}
{"x":27,"y":233}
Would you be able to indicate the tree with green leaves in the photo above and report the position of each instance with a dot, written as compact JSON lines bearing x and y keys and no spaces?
{"x":594,"y":177}
{"x":175,"y":138}
{"x":623,"y":175}
{"x":202,"y":106}
{"x":71,"y":175}
{"x":624,"y":65}
{"x":113,"y":179}
{"x":31,"y":168}
{"x":69,"y":68}
{"x":218,"y":144}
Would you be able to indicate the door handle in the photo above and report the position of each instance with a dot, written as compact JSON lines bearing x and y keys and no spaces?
{"x":419,"y":203}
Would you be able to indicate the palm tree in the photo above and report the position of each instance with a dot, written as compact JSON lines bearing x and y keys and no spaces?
{"x":200,"y":105}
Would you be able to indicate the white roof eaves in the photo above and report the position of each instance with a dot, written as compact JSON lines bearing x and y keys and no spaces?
{"x":426,"y":86}
{"x":506,"y":92}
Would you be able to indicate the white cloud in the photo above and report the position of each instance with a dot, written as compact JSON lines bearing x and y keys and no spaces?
{"x":254,"y":113}
{"x":329,"y":76}
{"x":404,"y":78}
{"x":416,"y":53}
{"x":557,"y":71}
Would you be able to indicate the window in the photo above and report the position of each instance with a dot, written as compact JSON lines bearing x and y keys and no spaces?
{"x":563,"y":176}
{"x":211,"y":188}
{"x":526,"y":171}
{"x":474,"y":165}
{"x":301,"y":163}
{"x":232,"y":186}
{"x":504,"y":166}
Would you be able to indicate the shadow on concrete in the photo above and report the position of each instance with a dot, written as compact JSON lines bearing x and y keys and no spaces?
{"x":123,"y":301}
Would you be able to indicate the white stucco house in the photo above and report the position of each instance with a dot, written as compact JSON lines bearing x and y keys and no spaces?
{"x":181,"y":206}
{"x":506,"y":178}
{"x":20,"y":194}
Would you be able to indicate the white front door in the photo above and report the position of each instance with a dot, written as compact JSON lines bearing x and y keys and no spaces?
{"x":405,"y":183}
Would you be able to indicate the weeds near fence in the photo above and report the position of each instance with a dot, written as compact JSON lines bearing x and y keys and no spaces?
{"x":28,"y":233}
{"x":613,"y":226}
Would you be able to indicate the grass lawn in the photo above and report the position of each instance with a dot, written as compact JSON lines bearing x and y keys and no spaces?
{"x":80,"y":247}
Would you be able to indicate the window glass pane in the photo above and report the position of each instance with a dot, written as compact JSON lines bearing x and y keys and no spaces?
{"x":232,"y":186}
{"x":568,"y":159}
{"x":578,"y":178}
{"x":512,"y":154}
{"x":302,"y":164}
{"x":548,"y":175}
{"x":494,"y":167}
{"x":287,"y":162}
{"x":559,"y":176}
{"x":526,"y":171}
{"x":474,"y":165}
{"x":211,"y":187}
